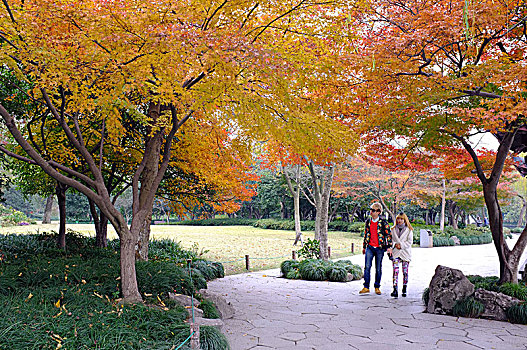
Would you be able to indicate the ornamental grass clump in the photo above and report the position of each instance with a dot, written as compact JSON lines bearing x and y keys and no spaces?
{"x":321,"y":270}
{"x":426,"y":296}
{"x":517,"y":313}
{"x":209,"y":309}
{"x":487,"y":283}
{"x":468,"y":307}
{"x":337,"y":274}
{"x":313,"y":269}
{"x":514,"y":290}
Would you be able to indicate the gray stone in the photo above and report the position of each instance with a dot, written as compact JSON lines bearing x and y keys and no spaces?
{"x":184,"y":300}
{"x":215,"y":322}
{"x":495,"y":304}
{"x":456,"y":240}
{"x":224,"y":307}
{"x":349,"y":277}
{"x":446,"y":287}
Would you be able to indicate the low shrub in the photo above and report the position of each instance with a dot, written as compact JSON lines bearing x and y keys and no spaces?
{"x":339,"y":225}
{"x":310,"y":249}
{"x":442,"y":241}
{"x":217,"y":222}
{"x":468,"y":307}
{"x":517,"y":313}
{"x":517,"y":229}
{"x":357,"y":227}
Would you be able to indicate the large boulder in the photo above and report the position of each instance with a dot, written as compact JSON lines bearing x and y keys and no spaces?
{"x":446,"y":287}
{"x":495,"y":303}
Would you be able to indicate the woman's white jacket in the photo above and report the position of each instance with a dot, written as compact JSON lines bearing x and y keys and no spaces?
{"x":405,"y":240}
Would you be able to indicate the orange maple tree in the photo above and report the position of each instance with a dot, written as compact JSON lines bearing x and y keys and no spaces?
{"x":435,"y":74}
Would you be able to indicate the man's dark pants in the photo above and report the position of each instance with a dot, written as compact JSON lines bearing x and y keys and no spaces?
{"x":378,"y":253}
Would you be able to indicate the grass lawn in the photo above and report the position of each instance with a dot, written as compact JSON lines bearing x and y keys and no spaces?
{"x":226,"y":244}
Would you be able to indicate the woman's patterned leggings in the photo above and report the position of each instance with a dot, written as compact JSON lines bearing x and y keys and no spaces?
{"x":405,"y":264}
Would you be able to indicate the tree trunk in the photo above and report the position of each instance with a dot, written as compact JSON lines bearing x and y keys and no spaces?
{"x":443,"y":202}
{"x":508,"y":262}
{"x":298,"y":227}
{"x":509,"y":259}
{"x":101,"y":238}
{"x":100,"y":221}
{"x":47,"y":210}
{"x":60,"y":190}
{"x":141,"y":250}
{"x":321,"y":222}
{"x":129,"y":285}
{"x":521,"y":218}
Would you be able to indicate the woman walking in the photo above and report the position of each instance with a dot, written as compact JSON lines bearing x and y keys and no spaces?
{"x":402,"y":240}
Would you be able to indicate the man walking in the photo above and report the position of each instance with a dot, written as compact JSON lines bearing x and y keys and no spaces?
{"x":377,"y":240}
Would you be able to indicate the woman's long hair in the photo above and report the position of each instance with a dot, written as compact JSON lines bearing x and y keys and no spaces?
{"x":405,"y":219}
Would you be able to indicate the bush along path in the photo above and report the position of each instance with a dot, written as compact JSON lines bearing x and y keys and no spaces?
{"x":51,"y":299}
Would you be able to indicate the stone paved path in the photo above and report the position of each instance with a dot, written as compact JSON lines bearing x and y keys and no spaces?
{"x":276,"y":313}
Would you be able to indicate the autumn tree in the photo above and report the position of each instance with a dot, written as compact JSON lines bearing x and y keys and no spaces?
{"x":102,"y":69}
{"x":438,"y":73}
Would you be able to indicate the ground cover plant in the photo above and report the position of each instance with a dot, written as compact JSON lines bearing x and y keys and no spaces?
{"x":50,"y":298}
{"x":227,"y":244}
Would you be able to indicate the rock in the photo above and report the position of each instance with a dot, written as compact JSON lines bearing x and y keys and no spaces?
{"x":349,"y":277}
{"x":215,"y":322}
{"x":183,"y":300}
{"x":456,"y":240}
{"x":198,"y":313}
{"x":446,"y":287}
{"x":225,"y":308}
{"x":495,"y":303}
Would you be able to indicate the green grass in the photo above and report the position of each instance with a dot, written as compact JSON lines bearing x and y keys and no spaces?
{"x":227,"y":244}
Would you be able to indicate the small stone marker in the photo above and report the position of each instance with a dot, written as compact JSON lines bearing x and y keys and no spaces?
{"x":425,"y":239}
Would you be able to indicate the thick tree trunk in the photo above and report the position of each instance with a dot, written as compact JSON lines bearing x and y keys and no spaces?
{"x":129,"y":285}
{"x":47,"y":210}
{"x":141,"y":250}
{"x":508,"y":262}
{"x":60,"y":190}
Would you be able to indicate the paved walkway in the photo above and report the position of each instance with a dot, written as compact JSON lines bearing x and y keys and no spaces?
{"x":276,"y":313}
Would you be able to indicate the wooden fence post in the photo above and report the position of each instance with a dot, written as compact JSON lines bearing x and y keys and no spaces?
{"x":194,"y":339}
{"x":329,"y":251}
{"x":247,"y":266}
{"x":294,"y":254}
